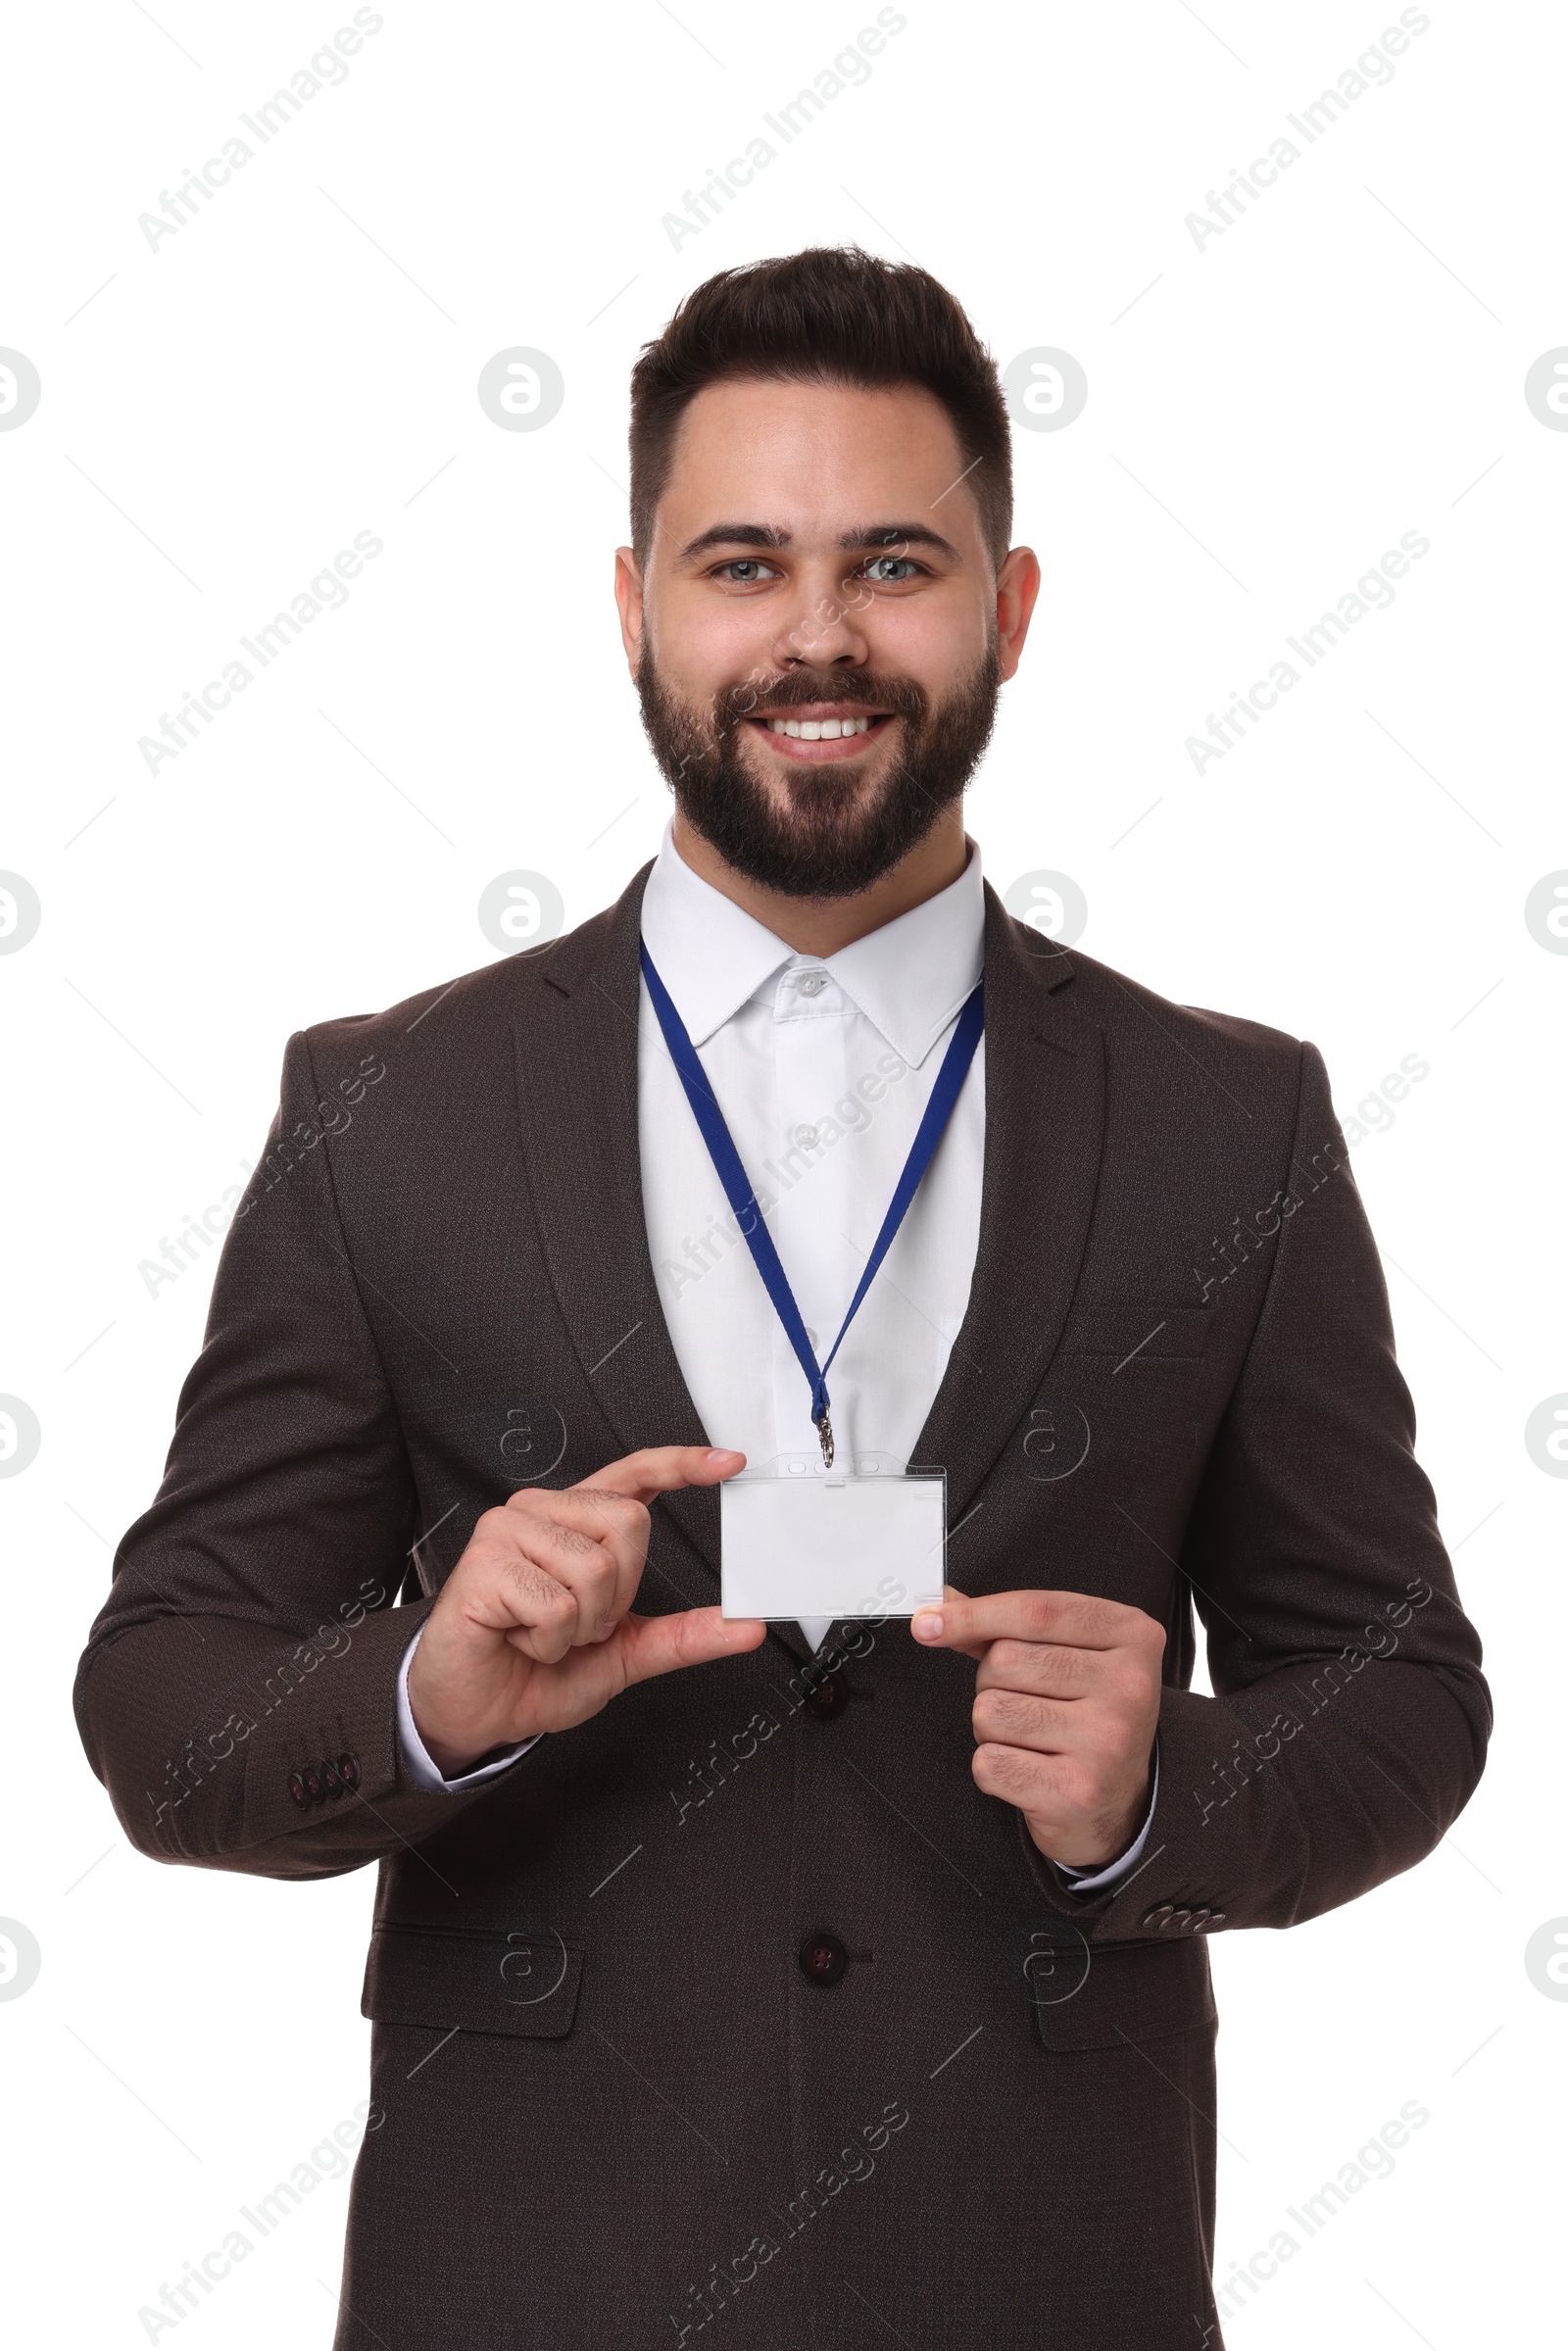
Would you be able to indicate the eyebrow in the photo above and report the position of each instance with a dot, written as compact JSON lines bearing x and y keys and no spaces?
{"x":881,"y":535}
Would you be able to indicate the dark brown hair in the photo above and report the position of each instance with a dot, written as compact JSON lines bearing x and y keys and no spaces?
{"x":830,"y":314}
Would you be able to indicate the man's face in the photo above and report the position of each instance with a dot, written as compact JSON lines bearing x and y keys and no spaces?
{"x":818,"y":633}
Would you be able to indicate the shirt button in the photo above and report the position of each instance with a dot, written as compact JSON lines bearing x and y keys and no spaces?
{"x":807,"y":1137}
{"x":822,"y":1958}
{"x":810,"y":983}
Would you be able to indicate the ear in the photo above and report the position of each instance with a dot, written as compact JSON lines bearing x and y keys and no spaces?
{"x":629,"y":601}
{"x":1017,"y":586}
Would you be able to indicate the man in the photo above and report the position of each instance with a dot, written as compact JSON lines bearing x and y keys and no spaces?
{"x":852,"y":1986}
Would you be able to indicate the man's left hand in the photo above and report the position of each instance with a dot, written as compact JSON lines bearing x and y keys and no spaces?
{"x":1067,"y":1707}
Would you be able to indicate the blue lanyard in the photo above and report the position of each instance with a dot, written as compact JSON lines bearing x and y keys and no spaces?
{"x":743,"y":1199}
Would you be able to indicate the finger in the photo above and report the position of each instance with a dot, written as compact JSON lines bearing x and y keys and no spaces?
{"x":1073,"y":1619}
{"x":1016,"y":1719}
{"x":508,"y":1593}
{"x":601,"y":1585}
{"x":1048,"y":1669}
{"x":1053,"y":1787}
{"x":1061,"y":1798}
{"x":589,"y":1679}
{"x":667,"y":1468}
{"x":660,"y":1644}
{"x":929,"y":1624}
{"x":615,"y":1521}
{"x":524,"y":1574}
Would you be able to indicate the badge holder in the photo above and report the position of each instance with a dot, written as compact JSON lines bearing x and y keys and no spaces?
{"x":797,"y":1542}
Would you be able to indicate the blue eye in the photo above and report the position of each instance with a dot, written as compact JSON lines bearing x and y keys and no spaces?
{"x":889,"y":570}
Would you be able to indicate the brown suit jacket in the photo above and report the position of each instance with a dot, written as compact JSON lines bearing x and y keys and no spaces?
{"x":611,"y":2108}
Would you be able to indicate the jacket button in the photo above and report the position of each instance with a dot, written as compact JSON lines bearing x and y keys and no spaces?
{"x":348,"y":1767}
{"x":332,"y":1780}
{"x":1158,"y":1918}
{"x":827,"y":1697}
{"x":1216,"y":1917}
{"x":822,"y":1958}
{"x":1176,"y":1924}
{"x":1198,"y":1920}
{"x":297,"y":1789}
{"x":315,"y":1792}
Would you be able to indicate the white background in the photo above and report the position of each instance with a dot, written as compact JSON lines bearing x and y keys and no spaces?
{"x":1266,"y":414}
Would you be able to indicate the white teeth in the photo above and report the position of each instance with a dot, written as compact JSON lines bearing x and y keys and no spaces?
{"x":819,"y":730}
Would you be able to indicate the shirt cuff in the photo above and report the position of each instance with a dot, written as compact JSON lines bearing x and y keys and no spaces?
{"x":1110,"y":1873}
{"x":416,"y":1761}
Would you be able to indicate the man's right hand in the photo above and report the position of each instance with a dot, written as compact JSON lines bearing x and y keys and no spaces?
{"x":533,"y":1630}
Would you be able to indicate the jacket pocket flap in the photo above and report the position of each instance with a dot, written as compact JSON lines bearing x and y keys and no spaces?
{"x":523,"y":1983}
{"x":1101,"y":1996}
{"x":1139,"y":1333}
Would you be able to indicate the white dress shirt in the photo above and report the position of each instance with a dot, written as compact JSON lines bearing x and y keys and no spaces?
{"x":822,"y":1067}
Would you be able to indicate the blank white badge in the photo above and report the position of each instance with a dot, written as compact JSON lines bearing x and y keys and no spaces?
{"x":814,"y":1546}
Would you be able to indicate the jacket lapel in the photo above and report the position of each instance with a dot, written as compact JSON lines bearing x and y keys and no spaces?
{"x":576,"y":1059}
{"x":1045,"y":1119}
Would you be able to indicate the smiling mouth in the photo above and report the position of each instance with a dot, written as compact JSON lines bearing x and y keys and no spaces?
{"x":821,"y":730}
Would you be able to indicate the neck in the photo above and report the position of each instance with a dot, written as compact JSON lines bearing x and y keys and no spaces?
{"x":820,"y":927}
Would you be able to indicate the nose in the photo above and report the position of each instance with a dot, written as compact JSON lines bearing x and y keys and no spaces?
{"x":822,"y":629}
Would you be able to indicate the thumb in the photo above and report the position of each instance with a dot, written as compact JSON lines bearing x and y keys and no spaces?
{"x":660,"y":1644}
{"x":940,"y":1627}
{"x":665,"y":1469}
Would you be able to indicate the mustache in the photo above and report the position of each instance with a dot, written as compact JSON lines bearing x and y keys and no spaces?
{"x":902,"y":697}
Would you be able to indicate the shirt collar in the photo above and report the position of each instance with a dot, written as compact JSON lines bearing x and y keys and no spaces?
{"x":909,"y":978}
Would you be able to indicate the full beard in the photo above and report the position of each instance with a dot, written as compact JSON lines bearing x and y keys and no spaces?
{"x":819,"y":832}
